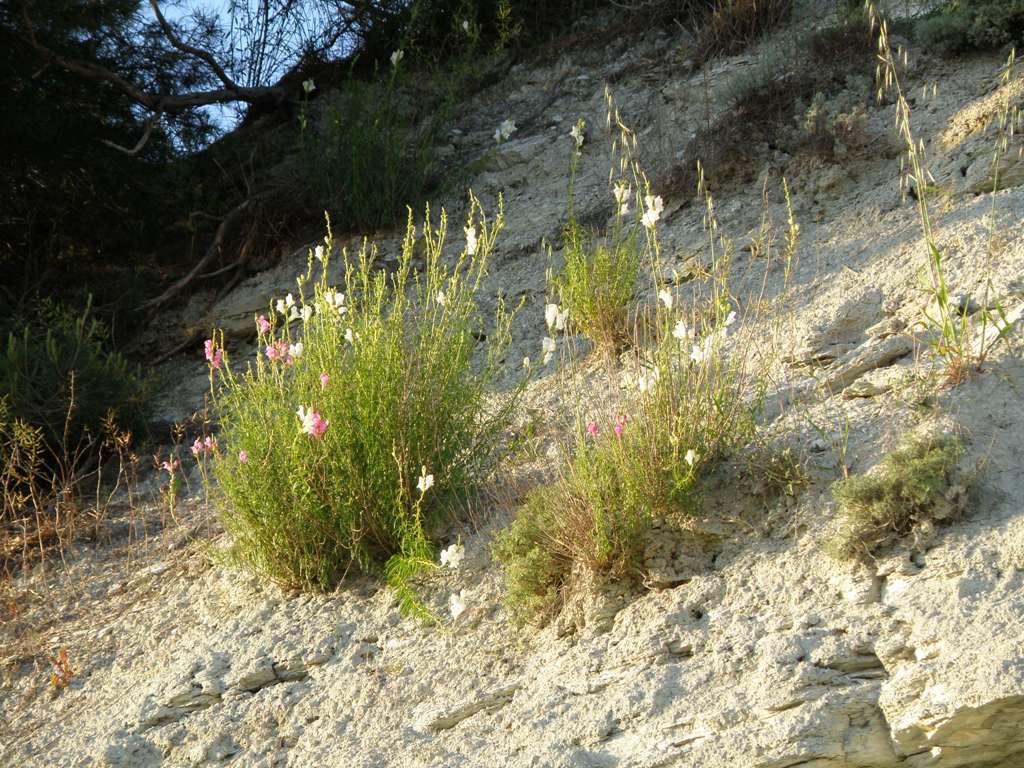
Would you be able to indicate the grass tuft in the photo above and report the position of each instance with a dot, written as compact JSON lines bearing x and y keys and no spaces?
{"x":731,"y":25}
{"x":916,"y":486}
{"x":370,"y":154}
{"x":599,"y":279}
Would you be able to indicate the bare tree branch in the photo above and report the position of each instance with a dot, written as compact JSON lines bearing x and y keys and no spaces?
{"x":150,"y":124}
{"x":161,"y":102}
{"x":228,"y":222}
{"x":267,"y":51}
{"x":199,"y":53}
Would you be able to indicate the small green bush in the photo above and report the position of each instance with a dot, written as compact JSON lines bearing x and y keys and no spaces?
{"x":593,"y":518}
{"x":60,"y":376}
{"x":597,"y":285}
{"x":731,"y":25}
{"x":765,"y":104}
{"x":774,"y":471}
{"x":599,"y":277}
{"x":22,"y":456}
{"x":397,"y":421}
{"x":371,"y":156}
{"x":692,"y":405}
{"x":645,"y":465}
{"x":967,"y":25}
{"x":917,"y":485}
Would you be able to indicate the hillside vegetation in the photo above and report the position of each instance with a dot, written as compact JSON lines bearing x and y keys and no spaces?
{"x":527,"y":384}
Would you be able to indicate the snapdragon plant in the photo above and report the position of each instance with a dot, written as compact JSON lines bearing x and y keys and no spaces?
{"x":367,"y":414}
{"x":693,"y":400}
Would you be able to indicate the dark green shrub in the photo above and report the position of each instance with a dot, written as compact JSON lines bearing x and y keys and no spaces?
{"x":766,"y":105}
{"x":371,"y":155}
{"x":731,"y":25}
{"x":60,"y":376}
{"x":967,"y":25}
{"x":917,"y":485}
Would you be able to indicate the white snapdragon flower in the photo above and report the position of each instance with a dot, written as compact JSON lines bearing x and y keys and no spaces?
{"x":426,"y":481}
{"x":727,"y":325}
{"x":505,"y":130}
{"x":682,"y":332}
{"x":306,"y":417}
{"x":307,"y":312}
{"x":622,"y":194}
{"x":335,"y":300}
{"x":577,"y":134}
{"x":548,"y":345}
{"x":453,"y":556}
{"x":295,"y":350}
{"x":320,"y":253}
{"x":526,"y":363}
{"x":471,"y":241}
{"x":397,"y":57}
{"x":308,"y":86}
{"x":555,"y":318}
{"x":647,"y":380}
{"x":701,"y":352}
{"x":457,"y":604}
{"x":441,"y":298}
{"x":654,"y":206}
{"x":285,"y":305}
{"x":550,"y":314}
{"x":691,"y":457}
{"x":349,"y":336}
{"x":666,"y":298}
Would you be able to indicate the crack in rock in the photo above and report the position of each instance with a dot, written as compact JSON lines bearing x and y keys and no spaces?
{"x":872,"y":355}
{"x":491,"y":701}
{"x":180,"y":706}
{"x":203,"y":694}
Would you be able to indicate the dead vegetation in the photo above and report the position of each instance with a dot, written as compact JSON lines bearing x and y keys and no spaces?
{"x":780,"y":107}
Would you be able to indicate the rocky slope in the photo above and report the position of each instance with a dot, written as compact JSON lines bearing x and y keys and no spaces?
{"x":761,"y":651}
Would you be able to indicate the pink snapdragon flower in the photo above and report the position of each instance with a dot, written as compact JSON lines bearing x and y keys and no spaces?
{"x":263,"y":324}
{"x":205,"y":445}
{"x":620,"y":424}
{"x":214,"y":356}
{"x":170,"y":466}
{"x":313,"y":424}
{"x":243,"y":456}
{"x":279,"y":350}
{"x":592,"y":428}
{"x":324,"y":379}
